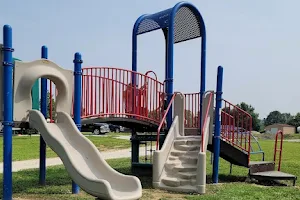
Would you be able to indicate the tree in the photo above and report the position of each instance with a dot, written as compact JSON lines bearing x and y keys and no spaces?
{"x":53,"y":106}
{"x":287,"y":117}
{"x":251,"y":110}
{"x":295,"y":121}
{"x":275,"y":117}
{"x":242,"y":119}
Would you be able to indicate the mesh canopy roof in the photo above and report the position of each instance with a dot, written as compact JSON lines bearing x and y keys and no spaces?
{"x":186,"y":23}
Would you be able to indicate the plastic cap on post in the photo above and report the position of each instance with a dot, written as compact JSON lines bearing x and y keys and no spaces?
{"x":7,"y":36}
{"x":44,"y":52}
{"x":77,"y":57}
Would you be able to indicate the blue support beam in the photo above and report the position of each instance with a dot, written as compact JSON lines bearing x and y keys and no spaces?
{"x":77,"y":102}
{"x":217,"y":129}
{"x":8,"y":111}
{"x":42,"y":174}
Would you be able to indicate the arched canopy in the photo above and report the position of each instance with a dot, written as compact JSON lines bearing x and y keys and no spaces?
{"x":185,"y":19}
{"x":181,"y":23}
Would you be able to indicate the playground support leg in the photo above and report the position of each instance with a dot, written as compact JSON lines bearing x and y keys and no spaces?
{"x":42,"y":175}
{"x":134,"y":149}
{"x":217,"y":128}
{"x":77,"y":102}
{"x":8,"y":111}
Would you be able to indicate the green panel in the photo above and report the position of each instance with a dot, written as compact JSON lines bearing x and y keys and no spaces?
{"x":34,"y":93}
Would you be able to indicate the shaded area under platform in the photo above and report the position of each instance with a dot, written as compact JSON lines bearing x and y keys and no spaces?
{"x":140,"y":125}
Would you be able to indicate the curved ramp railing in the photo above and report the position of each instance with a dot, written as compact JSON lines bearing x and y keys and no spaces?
{"x":110,"y":92}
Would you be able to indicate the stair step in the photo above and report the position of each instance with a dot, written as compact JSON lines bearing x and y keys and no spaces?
{"x":184,"y":153}
{"x":185,"y":168}
{"x":176,"y":182}
{"x":261,"y":166}
{"x":185,"y":147}
{"x":187,"y":141}
{"x":188,"y":137}
{"x":184,"y":159}
{"x":187,"y":175}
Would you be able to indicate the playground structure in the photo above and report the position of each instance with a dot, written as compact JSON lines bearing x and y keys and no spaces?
{"x":180,"y":125}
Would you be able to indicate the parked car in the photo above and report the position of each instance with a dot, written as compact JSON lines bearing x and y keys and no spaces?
{"x":96,"y":128}
{"x":116,"y":128}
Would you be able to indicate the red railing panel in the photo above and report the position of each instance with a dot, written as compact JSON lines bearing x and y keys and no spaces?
{"x":192,"y":110}
{"x":236,"y":127}
{"x":109,"y":92}
{"x":279,"y":133}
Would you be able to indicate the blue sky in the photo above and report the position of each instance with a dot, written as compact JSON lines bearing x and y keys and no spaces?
{"x":257,"y":42}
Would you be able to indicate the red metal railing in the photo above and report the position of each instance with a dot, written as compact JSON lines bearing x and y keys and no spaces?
{"x":205,"y":120}
{"x":280,"y":148}
{"x":236,"y":127}
{"x":192,"y":110}
{"x":109,"y":92}
{"x":163,"y":120}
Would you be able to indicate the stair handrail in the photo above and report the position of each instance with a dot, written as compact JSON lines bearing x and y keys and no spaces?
{"x":251,"y":146}
{"x":245,"y":148}
{"x":163,"y":120}
{"x":205,"y":120}
{"x":280,"y":148}
{"x":260,"y":149}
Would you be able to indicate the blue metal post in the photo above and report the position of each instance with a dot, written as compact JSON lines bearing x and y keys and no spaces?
{"x":77,"y":102}
{"x":169,"y":68}
{"x":217,"y":129}
{"x":42,"y":175}
{"x":203,"y":72}
{"x":134,"y":143}
{"x":8,"y":111}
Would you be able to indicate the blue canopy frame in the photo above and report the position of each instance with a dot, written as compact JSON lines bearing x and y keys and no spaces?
{"x":181,"y":23}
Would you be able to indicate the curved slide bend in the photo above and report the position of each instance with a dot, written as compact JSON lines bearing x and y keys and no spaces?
{"x":83,"y":161}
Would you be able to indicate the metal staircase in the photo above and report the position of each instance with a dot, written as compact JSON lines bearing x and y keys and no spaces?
{"x":237,"y":145}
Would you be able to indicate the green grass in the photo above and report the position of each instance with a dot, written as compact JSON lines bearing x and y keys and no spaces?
{"x":232,"y":186}
{"x":26,"y":147}
{"x":269,"y":136}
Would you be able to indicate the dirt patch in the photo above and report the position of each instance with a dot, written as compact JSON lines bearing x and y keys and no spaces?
{"x":152,"y":194}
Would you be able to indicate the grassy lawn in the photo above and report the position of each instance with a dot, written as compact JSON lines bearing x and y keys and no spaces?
{"x":232,"y":186}
{"x":26,"y":147}
{"x":268,"y":136}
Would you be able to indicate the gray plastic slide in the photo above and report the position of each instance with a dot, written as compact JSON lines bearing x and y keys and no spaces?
{"x":81,"y":158}
{"x":83,"y":161}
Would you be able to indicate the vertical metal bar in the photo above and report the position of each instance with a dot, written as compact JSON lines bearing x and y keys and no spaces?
{"x":44,"y":102}
{"x":77,"y":102}
{"x":170,"y":59}
{"x":216,"y":140}
{"x":203,"y":70}
{"x":7,"y":111}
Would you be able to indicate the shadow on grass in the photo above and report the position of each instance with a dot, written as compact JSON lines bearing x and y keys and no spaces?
{"x":223,"y":178}
{"x":57,"y":182}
